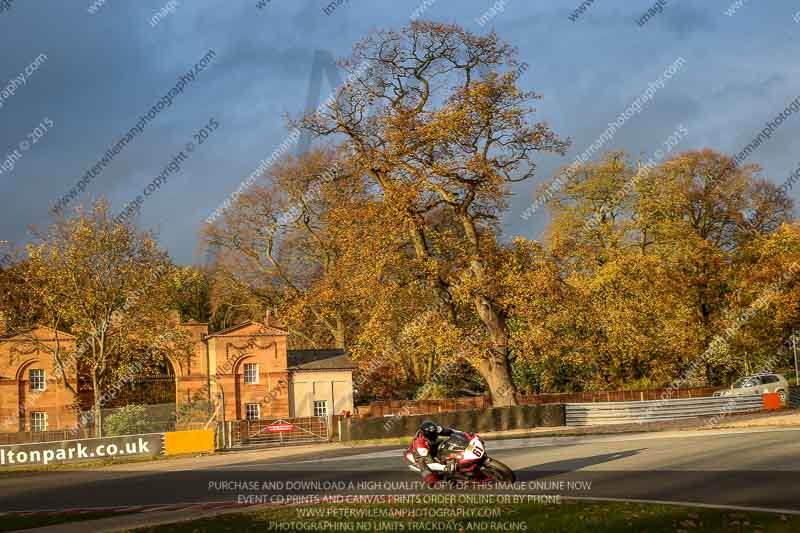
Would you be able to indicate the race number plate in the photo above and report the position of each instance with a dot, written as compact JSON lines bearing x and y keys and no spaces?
{"x":475,"y":448}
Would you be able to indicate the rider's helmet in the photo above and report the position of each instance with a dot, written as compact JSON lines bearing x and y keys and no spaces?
{"x":430,"y":430}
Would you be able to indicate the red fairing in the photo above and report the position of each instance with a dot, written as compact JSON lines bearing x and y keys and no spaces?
{"x":431,"y":479}
{"x":456,"y":456}
{"x":420,"y":442}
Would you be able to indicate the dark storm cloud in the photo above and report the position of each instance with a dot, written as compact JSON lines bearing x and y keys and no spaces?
{"x":105,"y":69}
{"x":683,"y":19}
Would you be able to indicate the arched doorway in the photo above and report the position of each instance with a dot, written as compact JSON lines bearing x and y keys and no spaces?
{"x":154,"y":387}
{"x":240,"y":399}
{"x":27,"y":398}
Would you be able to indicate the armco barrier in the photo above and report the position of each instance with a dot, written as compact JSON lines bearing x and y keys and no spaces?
{"x":197,"y":441}
{"x":794,"y":396}
{"x":590,"y":414}
{"x":493,"y":419}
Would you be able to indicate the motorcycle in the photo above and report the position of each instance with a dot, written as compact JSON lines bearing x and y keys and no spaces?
{"x":469,"y":453}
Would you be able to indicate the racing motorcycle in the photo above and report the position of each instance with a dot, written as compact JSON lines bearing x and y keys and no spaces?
{"x":472,"y":462}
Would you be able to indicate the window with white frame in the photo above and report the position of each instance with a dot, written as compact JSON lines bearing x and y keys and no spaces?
{"x":252,"y":411}
{"x":38,"y":421}
{"x":251,"y":373}
{"x":320,"y":407}
{"x":36,"y":379}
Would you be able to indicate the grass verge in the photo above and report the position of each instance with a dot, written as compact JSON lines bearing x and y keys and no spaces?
{"x":18,"y":522}
{"x":567,"y":517}
{"x":89,"y":463}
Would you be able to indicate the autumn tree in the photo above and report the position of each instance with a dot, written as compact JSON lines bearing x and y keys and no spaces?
{"x":667,"y":257}
{"x":207,"y":295}
{"x":18,"y":308}
{"x":703,"y":212}
{"x":444,"y":136}
{"x":107,"y":284}
{"x":294,"y":241}
{"x":764,"y":305}
{"x":551,"y":347}
{"x":633,"y":326}
{"x":314,"y":243}
{"x":592,"y":213}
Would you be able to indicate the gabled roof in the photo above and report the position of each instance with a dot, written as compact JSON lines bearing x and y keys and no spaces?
{"x":264,"y":330}
{"x":330,"y":359}
{"x":22,"y":333}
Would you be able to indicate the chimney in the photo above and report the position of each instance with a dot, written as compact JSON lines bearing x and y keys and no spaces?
{"x":267,"y":317}
{"x":3,"y":323}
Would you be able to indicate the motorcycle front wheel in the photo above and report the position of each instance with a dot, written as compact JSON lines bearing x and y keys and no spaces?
{"x":498,"y":471}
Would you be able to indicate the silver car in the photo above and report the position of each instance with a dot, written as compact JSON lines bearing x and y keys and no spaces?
{"x":758,"y":384}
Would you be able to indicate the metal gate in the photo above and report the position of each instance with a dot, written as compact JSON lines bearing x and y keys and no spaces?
{"x":278,"y":431}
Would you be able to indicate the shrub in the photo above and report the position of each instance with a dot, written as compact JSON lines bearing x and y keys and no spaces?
{"x":195,"y":410}
{"x":432,"y":391}
{"x":129,"y":420}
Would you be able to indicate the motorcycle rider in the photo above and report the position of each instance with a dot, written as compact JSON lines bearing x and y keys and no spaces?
{"x":425,"y":445}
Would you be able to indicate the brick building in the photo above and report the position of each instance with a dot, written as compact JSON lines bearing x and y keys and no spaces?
{"x":247,"y":368}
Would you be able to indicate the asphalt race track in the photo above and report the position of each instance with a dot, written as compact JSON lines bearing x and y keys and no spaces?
{"x":749,"y":468}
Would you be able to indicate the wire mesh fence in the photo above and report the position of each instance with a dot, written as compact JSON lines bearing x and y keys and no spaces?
{"x":26,"y":437}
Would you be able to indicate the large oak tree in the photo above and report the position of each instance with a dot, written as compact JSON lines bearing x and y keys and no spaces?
{"x":428,"y":117}
{"x":109,"y":285}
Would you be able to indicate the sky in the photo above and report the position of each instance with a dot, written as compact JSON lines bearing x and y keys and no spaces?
{"x":93,"y":68}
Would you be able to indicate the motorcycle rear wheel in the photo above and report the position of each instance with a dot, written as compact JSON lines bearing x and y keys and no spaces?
{"x":498,"y":471}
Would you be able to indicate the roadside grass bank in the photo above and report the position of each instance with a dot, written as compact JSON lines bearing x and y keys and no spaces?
{"x":19,"y":522}
{"x":782,"y":418}
{"x":90,"y":463}
{"x":567,"y":516}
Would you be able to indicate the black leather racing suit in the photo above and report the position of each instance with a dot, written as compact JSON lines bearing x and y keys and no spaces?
{"x":428,"y":455}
